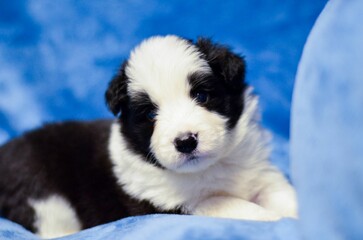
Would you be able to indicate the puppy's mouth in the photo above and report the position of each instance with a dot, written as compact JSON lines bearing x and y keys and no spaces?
{"x":193,"y":162}
{"x":192,"y":159}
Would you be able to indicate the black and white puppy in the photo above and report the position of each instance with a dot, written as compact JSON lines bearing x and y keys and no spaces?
{"x":186,"y":140}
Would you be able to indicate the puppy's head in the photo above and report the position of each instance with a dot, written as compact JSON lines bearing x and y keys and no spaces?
{"x":177,"y":101}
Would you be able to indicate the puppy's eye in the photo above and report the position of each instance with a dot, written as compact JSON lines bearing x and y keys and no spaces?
{"x":151,"y":116}
{"x":201,"y":97}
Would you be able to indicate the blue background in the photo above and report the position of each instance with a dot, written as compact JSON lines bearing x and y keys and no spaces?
{"x":57,"y":57}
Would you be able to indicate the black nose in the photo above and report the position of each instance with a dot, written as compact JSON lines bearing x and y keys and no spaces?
{"x":186,"y":143}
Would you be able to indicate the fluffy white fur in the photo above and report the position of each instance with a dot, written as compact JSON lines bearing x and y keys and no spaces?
{"x":54,"y":217}
{"x":240,"y":184}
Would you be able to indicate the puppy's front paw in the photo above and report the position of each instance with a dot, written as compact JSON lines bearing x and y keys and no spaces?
{"x":231,"y":207}
{"x":282,"y":202}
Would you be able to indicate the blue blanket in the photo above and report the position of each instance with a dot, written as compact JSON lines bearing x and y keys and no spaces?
{"x":326,"y":150}
{"x":327,"y":125}
{"x":171,"y":227}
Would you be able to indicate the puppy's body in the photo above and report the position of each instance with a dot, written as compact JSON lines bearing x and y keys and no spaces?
{"x":187,"y":141}
{"x":67,"y":164}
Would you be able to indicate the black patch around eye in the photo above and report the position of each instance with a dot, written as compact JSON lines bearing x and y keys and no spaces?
{"x":205,"y":88}
{"x":202,"y":82}
{"x":143,"y":107}
{"x":216,"y":96}
{"x":137,"y":128}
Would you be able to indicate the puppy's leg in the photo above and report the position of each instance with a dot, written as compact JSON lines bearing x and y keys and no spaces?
{"x":277,"y":195}
{"x":231,"y":207}
{"x":54,"y":217}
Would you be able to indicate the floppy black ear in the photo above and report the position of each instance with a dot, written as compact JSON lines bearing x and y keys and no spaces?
{"x":224,"y":63}
{"x":116,"y":93}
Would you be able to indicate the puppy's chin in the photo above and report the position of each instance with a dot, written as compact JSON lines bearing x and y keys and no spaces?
{"x":192,"y":163}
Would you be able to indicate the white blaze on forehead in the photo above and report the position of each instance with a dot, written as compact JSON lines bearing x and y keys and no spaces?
{"x":160,"y":66}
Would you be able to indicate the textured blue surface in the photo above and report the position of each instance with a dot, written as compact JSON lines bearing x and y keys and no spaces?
{"x":327,"y":127}
{"x":189,"y":227}
{"x":156,"y":227}
{"x":13,"y":231}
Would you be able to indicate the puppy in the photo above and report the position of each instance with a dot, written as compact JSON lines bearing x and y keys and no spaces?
{"x":186,"y":140}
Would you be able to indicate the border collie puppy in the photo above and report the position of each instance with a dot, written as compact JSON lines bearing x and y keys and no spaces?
{"x":186,"y":140}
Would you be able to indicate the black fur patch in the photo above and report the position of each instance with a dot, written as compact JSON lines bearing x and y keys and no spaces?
{"x":226,"y":85}
{"x":116,"y":94}
{"x":133,"y":116}
{"x":137,"y":128}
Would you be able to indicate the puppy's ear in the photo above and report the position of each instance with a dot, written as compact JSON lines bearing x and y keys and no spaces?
{"x":116,"y":94}
{"x":224,"y":63}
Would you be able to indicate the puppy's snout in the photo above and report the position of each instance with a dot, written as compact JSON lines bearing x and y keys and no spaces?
{"x":186,"y":143}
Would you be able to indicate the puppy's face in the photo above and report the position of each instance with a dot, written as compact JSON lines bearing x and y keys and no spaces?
{"x":178,"y":101}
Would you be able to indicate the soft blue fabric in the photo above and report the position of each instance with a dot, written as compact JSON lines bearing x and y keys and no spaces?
{"x":156,"y":227}
{"x":327,"y":125}
{"x":12,"y":231}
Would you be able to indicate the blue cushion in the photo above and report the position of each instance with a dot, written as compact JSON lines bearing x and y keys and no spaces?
{"x":327,"y":125}
{"x":10,"y":230}
{"x":171,"y":227}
